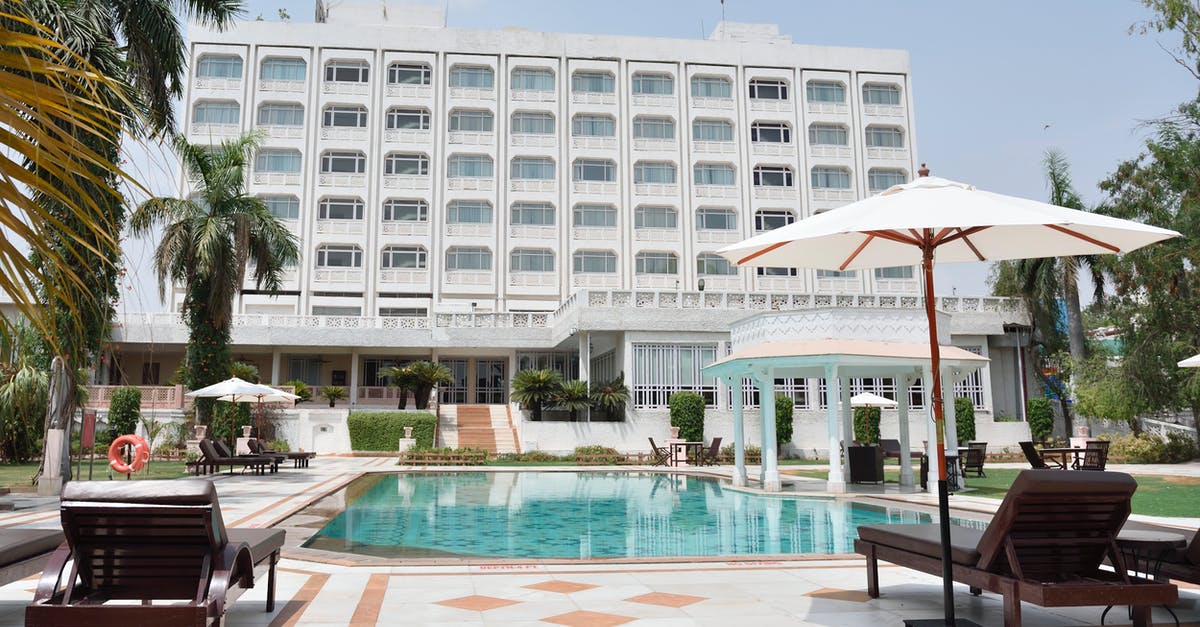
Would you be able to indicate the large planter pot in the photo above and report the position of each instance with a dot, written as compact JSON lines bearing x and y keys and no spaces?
{"x":200,"y":431}
{"x":246,"y":431}
{"x":674,"y":433}
{"x":408,"y":433}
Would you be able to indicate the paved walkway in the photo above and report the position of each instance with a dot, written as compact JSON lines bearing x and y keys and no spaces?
{"x":765,"y":593}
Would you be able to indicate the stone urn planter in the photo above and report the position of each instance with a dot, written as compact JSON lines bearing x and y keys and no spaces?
{"x":408,"y":433}
{"x":674,"y":433}
{"x":246,"y":431}
{"x":200,"y":431}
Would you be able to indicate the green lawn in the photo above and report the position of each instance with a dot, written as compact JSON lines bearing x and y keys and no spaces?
{"x":18,"y":475}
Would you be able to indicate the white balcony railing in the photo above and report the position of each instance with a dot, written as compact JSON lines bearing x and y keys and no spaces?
{"x":656,"y":281}
{"x":459,"y":229}
{"x":722,"y":282}
{"x":350,"y":133}
{"x":278,"y":131}
{"x":594,"y":233}
{"x":832,"y":195}
{"x":404,"y":276}
{"x":533,"y":140}
{"x":340,"y":88}
{"x":715,"y":191}
{"x":595,"y":279}
{"x":839,"y":285}
{"x":215,"y":130}
{"x":897,"y":286}
{"x":276,"y":178}
{"x":829,"y":151}
{"x":720,"y":148}
{"x":656,"y":235}
{"x":532,"y":185}
{"x":594,"y":187}
{"x":287,"y":87}
{"x":341,"y":227}
{"x":712,"y":103}
{"x":727,"y":236}
{"x":828,"y":108}
{"x":533,"y":279}
{"x":407,"y":136}
{"x":532,"y":95}
{"x":593,"y":98}
{"x":471,"y":138}
{"x":654,"y":100}
{"x":772,"y":149}
{"x":532,"y":231}
{"x":594,"y":143}
{"x":473,"y":93}
{"x":338,"y":275}
{"x":472,"y":183}
{"x":467,"y":277}
{"x":884,"y":111}
{"x":774,"y":192}
{"x":341,"y":180}
{"x":770,"y":106}
{"x":419,"y":92}
{"x":656,"y":189}
{"x":890,"y":154}
{"x":406,"y":181}
{"x":668,"y":145}
{"x":222,"y":84}
{"x":405,"y":227}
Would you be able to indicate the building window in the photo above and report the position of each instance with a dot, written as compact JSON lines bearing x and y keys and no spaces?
{"x":472,"y":120}
{"x":879,"y":179}
{"x":776,"y":271}
{"x":972,"y":386}
{"x":473,"y":166}
{"x":660,"y":370}
{"x":655,"y":217}
{"x":656,"y":263}
{"x":339,"y":256}
{"x":341,"y":116}
{"x":406,"y":163}
{"x":399,"y":312}
{"x":530,"y":123}
{"x":480,"y":76}
{"x":409,"y":257}
{"x":711,"y":87}
{"x":282,"y":70}
{"x":662,"y":172}
{"x":771,"y":219}
{"x":647,"y":127}
{"x":305,"y":369}
{"x":410,"y":118}
{"x":771,"y":133}
{"x":531,"y":260}
{"x":409,"y":74}
{"x":533,"y":79}
{"x":768,"y":89}
{"x":716,"y":219}
{"x":881,"y":94}
{"x":469,"y":212}
{"x":593,"y":126}
{"x":709,"y":264}
{"x":340,"y":209}
{"x":593,"y":83}
{"x":532,"y":213}
{"x":653,"y":84}
{"x":279,"y":114}
{"x":277,"y":160}
{"x":830,"y":178}
{"x":468,"y":258}
{"x":538,"y":168}
{"x":828,"y":135}
{"x":884,"y":137}
{"x":601,"y":170}
{"x":772,"y":176}
{"x":219,"y":66}
{"x":826,"y":91}
{"x":216,"y":112}
{"x":894,"y":272}
{"x":594,"y":262}
{"x":405,"y":210}
{"x":335,"y":162}
{"x":712,"y":130}
{"x":713,"y":174}
{"x":282,"y":207}
{"x":588,"y":214}
{"x":837,"y":274}
{"x":347,"y":71}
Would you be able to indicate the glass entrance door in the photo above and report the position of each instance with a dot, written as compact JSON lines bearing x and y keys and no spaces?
{"x":490,"y":383}
{"x":455,"y":393}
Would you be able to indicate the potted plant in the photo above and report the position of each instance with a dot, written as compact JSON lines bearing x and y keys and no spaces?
{"x":532,"y":388}
{"x":572,"y":396}
{"x":333,"y":393}
{"x":610,"y":397}
{"x":300,"y":389}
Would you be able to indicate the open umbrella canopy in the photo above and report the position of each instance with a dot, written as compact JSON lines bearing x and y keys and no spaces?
{"x":227,"y":387}
{"x":867,"y":399}
{"x":1190,"y":362}
{"x":261,"y":393}
{"x":969,"y":224}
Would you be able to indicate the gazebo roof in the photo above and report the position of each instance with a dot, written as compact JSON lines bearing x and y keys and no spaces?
{"x":808,"y":358}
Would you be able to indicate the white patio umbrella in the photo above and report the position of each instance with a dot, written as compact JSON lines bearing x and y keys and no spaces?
{"x":867,"y":399}
{"x":1190,"y":362}
{"x":930,"y":220}
{"x":232,"y":386}
{"x":263,"y":394}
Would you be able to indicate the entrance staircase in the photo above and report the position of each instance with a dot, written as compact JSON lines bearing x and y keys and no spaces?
{"x":487,"y":427}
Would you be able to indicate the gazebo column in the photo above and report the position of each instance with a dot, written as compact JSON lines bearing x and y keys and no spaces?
{"x":951,"y":419}
{"x":739,"y":436}
{"x":847,"y":421}
{"x":766,"y":401}
{"x":837,"y":478}
{"x":906,"y":473}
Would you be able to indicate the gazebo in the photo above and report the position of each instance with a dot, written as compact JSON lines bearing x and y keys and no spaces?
{"x":837,"y":345}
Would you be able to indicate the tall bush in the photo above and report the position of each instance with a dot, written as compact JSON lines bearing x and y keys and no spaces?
{"x":866,"y":424}
{"x":382,"y":430}
{"x":1040,"y":415}
{"x":785,"y":409}
{"x":964,"y":419}
{"x":124,"y":410}
{"x":687,"y":413}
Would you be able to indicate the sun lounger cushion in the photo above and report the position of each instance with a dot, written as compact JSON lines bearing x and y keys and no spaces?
{"x":179,"y":492}
{"x":926,"y":540}
{"x":18,"y":545}
{"x":262,"y":541}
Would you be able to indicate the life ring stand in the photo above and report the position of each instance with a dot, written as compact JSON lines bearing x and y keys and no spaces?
{"x":141,"y":454}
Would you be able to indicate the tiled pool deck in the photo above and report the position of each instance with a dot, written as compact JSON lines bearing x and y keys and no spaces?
{"x":345,"y":591}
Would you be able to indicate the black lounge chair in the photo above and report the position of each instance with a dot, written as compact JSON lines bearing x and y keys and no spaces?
{"x":299,"y":458}
{"x":149,"y":541}
{"x":1045,"y":545}
{"x":973,"y":460}
{"x":215,"y":457}
{"x":1095,"y":455}
{"x":1035,"y":459}
{"x":23,"y":552}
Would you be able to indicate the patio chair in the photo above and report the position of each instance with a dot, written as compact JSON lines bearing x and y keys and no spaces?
{"x":1095,"y":457}
{"x":662,"y":456}
{"x":1036,"y":461}
{"x":149,"y":541}
{"x":1045,"y":545}
{"x":210,"y":449}
{"x":1181,"y":565}
{"x":23,"y":552}
{"x":710,"y":456}
{"x":299,"y":458}
{"x":973,"y":460}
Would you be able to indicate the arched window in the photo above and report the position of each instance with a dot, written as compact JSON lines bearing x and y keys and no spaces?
{"x":339,"y":256}
{"x":468,"y":258}
{"x":404,"y":257}
{"x":531,"y":260}
{"x":656,"y":263}
{"x":347,"y":71}
{"x":709,"y":264}
{"x":219,"y":66}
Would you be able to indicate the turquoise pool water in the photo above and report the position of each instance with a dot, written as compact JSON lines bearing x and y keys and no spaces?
{"x":581,"y":515}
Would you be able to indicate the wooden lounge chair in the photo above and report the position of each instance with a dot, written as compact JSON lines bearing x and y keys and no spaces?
{"x":215,"y":458}
{"x":299,"y":458}
{"x":1045,"y":545}
{"x":891,"y":448}
{"x":149,"y":541}
{"x":709,"y":456}
{"x":1095,"y":455}
{"x":662,"y":456}
{"x":23,"y":552}
{"x":1035,"y":458}
{"x":973,"y":460}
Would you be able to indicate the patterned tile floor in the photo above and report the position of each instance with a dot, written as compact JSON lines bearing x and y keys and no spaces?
{"x":761,"y":594}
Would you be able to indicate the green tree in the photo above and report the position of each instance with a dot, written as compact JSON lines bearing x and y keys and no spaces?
{"x":1104,"y":392}
{"x":534,"y":388}
{"x":573,"y":396}
{"x":401,"y":378}
{"x":964,"y":419}
{"x":785,"y":409}
{"x":206,"y":243}
{"x":687,"y":413}
{"x":124,"y":411}
{"x":244,"y":371}
{"x":610,"y":397}
{"x":866,"y":424}
{"x":426,"y":376}
{"x":1040,"y":416}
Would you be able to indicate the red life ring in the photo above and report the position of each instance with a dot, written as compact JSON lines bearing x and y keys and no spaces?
{"x":141,"y":454}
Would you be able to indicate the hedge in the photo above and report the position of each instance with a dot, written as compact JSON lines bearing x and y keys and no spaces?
{"x":964,"y":419}
{"x":1040,"y":415}
{"x":785,"y":409}
{"x":866,"y":425}
{"x":687,"y":413}
{"x":382,"y":430}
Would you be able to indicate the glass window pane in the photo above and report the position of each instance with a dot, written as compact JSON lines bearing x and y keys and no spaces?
{"x":772,"y":176}
{"x":828,"y":135}
{"x":405,"y":210}
{"x":533,"y":79}
{"x":282,"y":207}
{"x":595,"y":261}
{"x":219,"y":66}
{"x":713,"y":174}
{"x":826,"y":91}
{"x":479,"y":166}
{"x":593,"y":82}
{"x":653,"y":217}
{"x":216,"y":112}
{"x":343,"y":163}
{"x":539,"y":168}
{"x":646,"y":127}
{"x":712,"y":130}
{"x":407,"y":257}
{"x":347,"y":71}
{"x":884,"y":137}
{"x":532,"y":213}
{"x":711,"y":87}
{"x":656,"y":263}
{"x":879,"y":179}
{"x":532,"y":124}
{"x":531,"y":260}
{"x":654,"y":172}
{"x":594,"y":170}
{"x":895,"y":272}
{"x":468,"y":258}
{"x":479,"y":76}
{"x":593,"y":126}
{"x":339,"y":116}
{"x":653,"y":84}
{"x":400,"y":118}
{"x":409,"y":74}
{"x":340,"y":209}
{"x":469,"y":212}
{"x":831,"y":178}
{"x":877,"y":94}
{"x":768,"y":89}
{"x":277,"y":160}
{"x":711,"y":219}
{"x":282,"y":70}
{"x":406,"y":163}
{"x":711,"y":264}
{"x":472,"y":120}
{"x":594,"y":215}
{"x":281,"y":115}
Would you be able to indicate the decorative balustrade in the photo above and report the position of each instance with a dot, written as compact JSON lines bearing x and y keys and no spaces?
{"x":341,"y":180}
{"x":345,"y":88}
{"x":471,"y":138}
{"x":712,"y":103}
{"x":229,"y":84}
{"x":829,"y":108}
{"x":533,"y":140}
{"x":471,"y":183}
{"x":290,"y":87}
{"x":772,"y":149}
{"x":656,"y":189}
{"x":279,"y":131}
{"x":667,"y":145}
{"x":393,"y":276}
{"x":833,"y":195}
{"x":829,"y":151}
{"x":594,"y":143}
{"x":589,"y":233}
{"x":214,"y":130}
{"x":656,"y":235}
{"x":773,"y":106}
{"x":714,"y":147}
{"x":654,"y":100}
{"x":593,"y":97}
{"x":350,"y":133}
{"x":885,"y":111}
{"x":532,"y":95}
{"x":774,"y":192}
{"x":473,"y":93}
{"x":532,"y":231}
{"x":407,"y":136}
{"x":338,"y":275}
{"x":533,"y":279}
{"x":276,"y":178}
{"x":405,"y":227}
{"x":594,"y":187}
{"x":900,"y":154}
{"x":153,"y":396}
{"x":531,"y":185}
{"x":420,"y":92}
{"x":406,"y":181}
{"x":341,"y":227}
{"x":715,"y":191}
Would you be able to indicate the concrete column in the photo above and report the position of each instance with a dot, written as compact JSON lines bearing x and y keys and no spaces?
{"x":276,"y":367}
{"x":766,"y":401}
{"x":585,"y":365}
{"x":739,"y":437}
{"x":353,"y":377}
{"x":837,"y":478}
{"x":847,"y":422}
{"x":951,"y":425}
{"x":906,"y":473}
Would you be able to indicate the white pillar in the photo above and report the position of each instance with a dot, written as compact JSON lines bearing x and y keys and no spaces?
{"x":951,"y":420}
{"x":739,"y":437}
{"x":276,"y":367}
{"x":906,"y":473}
{"x":766,"y":401}
{"x":585,"y":365}
{"x":837,"y":478}
{"x":353,"y":377}
{"x":847,"y":422}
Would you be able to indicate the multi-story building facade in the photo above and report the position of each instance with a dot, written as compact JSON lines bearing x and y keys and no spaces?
{"x":475,"y":196}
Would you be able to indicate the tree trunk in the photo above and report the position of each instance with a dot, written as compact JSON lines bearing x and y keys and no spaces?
{"x":1075,"y":330}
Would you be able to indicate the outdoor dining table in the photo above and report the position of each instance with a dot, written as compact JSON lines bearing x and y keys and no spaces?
{"x":680,"y":452}
{"x":1063,"y":452}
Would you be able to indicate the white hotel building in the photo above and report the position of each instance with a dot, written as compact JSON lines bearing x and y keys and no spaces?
{"x":499,"y":200}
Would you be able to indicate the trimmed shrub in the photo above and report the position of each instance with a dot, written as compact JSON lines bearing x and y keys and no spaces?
{"x":530,"y":456}
{"x":124,"y":410}
{"x":279,"y":446}
{"x":1179,"y":448}
{"x":1148,"y":448}
{"x":381,"y":431}
{"x":687,"y":413}
{"x":964,"y":417}
{"x":604,"y":454}
{"x":1040,"y":415}
{"x":301,"y":389}
{"x":866,"y":424}
{"x":753,"y":454}
{"x":785,"y":408}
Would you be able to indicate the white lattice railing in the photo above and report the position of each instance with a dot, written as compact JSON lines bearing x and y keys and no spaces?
{"x":656,"y":235}
{"x":774,"y":192}
{"x":471,"y":138}
{"x":349,"y":133}
{"x":668,"y":145}
{"x":533,"y":140}
{"x":341,"y":180}
{"x":715,"y":191}
{"x":894,"y":154}
{"x":276,"y":178}
{"x":405,"y":227}
{"x":531,"y":185}
{"x":829,"y":108}
{"x":421,"y":92}
{"x":532,"y":231}
{"x":341,"y":227}
{"x":533,"y":279}
{"x":338,"y":275}
{"x":532,"y":95}
{"x":706,"y":236}
{"x":473,"y":93}
{"x":468,"y":229}
{"x":722,"y":148}
{"x":833,"y":195}
{"x":153,"y":396}
{"x":592,"y":97}
{"x":279,"y":131}
{"x":771,"y":106}
{"x":594,"y":143}
{"x":407,"y":136}
{"x":885,"y":111}
{"x":593,"y":279}
{"x":215,"y":130}
{"x":233,"y":84}
{"x":772,"y":149}
{"x":829,"y":151}
{"x":654,"y":100}
{"x":394,"y":276}
{"x":341,"y":88}
{"x":291,"y":87}
{"x":712,"y":103}
{"x":406,"y":181}
{"x":589,"y":233}
{"x":594,"y":187}
{"x":656,"y":189}
{"x":471,"y":183}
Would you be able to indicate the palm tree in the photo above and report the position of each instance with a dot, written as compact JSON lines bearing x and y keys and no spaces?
{"x":207,"y":241}
{"x":610,"y":397}
{"x":573,"y":396}
{"x":401,"y":378}
{"x":532,"y":388}
{"x":427,"y":375}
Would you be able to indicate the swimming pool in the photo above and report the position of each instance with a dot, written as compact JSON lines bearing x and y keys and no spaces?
{"x":583,"y":515}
